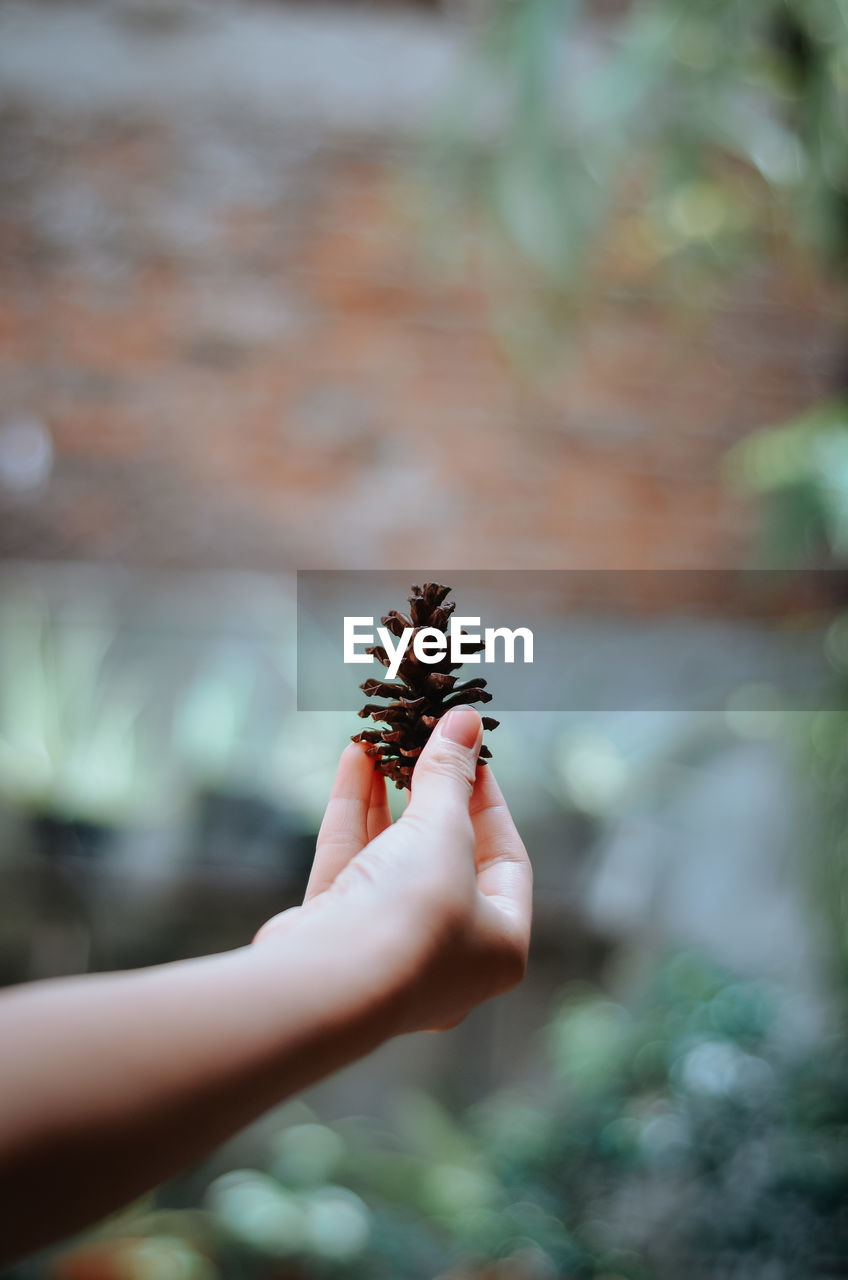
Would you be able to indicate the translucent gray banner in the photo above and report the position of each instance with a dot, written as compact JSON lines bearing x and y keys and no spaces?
{"x":601,"y":641}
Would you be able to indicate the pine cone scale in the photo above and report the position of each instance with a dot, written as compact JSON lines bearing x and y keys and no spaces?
{"x":423,"y":693}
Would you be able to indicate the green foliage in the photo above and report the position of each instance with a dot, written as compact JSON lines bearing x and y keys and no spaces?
{"x":800,"y":472}
{"x":827,"y":764}
{"x":679,"y":1139}
{"x":664,"y":147}
{"x":70,"y":738}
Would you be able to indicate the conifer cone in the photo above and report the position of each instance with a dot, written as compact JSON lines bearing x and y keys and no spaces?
{"x":421,"y":695}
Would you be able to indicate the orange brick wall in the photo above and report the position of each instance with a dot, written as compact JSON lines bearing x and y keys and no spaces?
{"x":274,"y":377}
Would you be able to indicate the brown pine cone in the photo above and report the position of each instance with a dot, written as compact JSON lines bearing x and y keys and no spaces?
{"x":421,"y":695}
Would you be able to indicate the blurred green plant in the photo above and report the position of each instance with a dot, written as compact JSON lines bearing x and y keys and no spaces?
{"x":661,"y":147}
{"x":70,"y":737}
{"x":799,"y":472}
{"x":212,"y":719}
{"x":679,"y":1139}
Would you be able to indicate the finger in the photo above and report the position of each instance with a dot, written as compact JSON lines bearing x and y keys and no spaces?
{"x":379,"y":814}
{"x":504,"y":873}
{"x":344,"y":830}
{"x":443,"y":777}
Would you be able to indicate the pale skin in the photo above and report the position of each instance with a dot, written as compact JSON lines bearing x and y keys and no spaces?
{"x":111,"y":1084}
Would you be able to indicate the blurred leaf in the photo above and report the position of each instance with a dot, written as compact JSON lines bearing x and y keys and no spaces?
{"x":562,"y":125}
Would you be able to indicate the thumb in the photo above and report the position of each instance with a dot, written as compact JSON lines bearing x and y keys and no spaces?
{"x":443,"y":777}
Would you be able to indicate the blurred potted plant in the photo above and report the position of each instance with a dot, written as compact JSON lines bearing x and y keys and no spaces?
{"x":76,"y":770}
{"x":72,"y":756}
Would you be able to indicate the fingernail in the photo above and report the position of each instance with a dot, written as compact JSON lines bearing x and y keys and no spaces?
{"x":460,"y":725}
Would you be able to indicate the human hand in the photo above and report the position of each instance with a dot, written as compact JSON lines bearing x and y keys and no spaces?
{"x":451,"y":879}
{"x":111,"y":1083}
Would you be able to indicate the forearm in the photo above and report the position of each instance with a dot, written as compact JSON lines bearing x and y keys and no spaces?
{"x":110,"y":1084}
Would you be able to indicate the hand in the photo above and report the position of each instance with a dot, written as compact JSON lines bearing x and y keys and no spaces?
{"x":111,"y":1083}
{"x":451,"y":875}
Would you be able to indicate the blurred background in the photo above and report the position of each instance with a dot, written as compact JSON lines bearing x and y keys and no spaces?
{"x":485,"y":284}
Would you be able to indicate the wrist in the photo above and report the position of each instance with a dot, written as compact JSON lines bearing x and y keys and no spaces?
{"x":342,"y":970}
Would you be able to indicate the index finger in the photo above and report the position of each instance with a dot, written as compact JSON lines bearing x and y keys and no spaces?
{"x":344,"y":830}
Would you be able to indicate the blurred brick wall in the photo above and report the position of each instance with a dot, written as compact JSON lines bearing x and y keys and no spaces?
{"x":221,"y":325}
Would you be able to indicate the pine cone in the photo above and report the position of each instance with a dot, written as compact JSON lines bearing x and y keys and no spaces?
{"x":424,"y":692}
